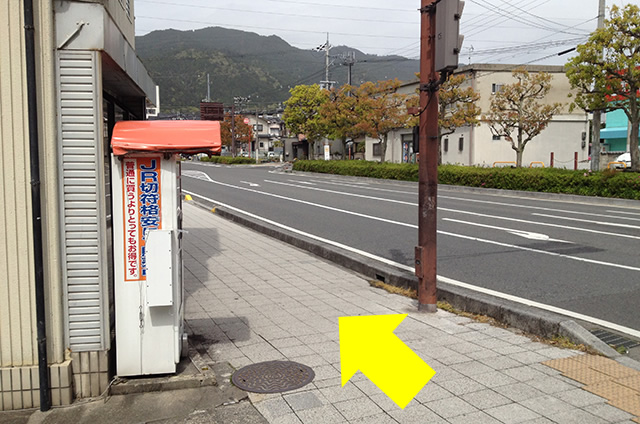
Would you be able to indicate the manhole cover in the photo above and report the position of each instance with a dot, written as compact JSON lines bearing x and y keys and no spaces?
{"x":273,"y":377}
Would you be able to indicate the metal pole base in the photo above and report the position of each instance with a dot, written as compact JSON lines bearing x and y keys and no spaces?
{"x":428,"y":308}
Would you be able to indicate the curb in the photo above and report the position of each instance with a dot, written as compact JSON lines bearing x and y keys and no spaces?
{"x":523,"y":317}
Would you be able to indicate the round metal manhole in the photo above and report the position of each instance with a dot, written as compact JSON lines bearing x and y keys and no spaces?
{"x":273,"y":377}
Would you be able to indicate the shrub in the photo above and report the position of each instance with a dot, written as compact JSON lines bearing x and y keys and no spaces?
{"x":228,"y":160}
{"x":625,"y":185}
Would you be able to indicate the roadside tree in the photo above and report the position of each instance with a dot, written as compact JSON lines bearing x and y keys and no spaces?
{"x":456,"y":108}
{"x":379,"y":110}
{"x":606,"y":71}
{"x":244,"y":133}
{"x":301,"y":113}
{"x":517,"y":111}
{"x":340,"y":116}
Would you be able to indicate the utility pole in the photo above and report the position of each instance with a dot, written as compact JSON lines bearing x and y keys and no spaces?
{"x":326,"y":62}
{"x":208,"y":89}
{"x":257,"y":146}
{"x":426,"y":251}
{"x":233,"y":129}
{"x":326,"y":84}
{"x":596,"y":147}
{"x":349,"y":59}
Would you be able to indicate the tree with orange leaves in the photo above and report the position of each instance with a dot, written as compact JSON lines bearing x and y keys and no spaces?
{"x":379,"y":109}
{"x":244,"y":134}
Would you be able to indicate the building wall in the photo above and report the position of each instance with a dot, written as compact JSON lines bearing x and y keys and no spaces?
{"x":18,"y":350}
{"x":121,"y":11}
{"x":563,"y":136}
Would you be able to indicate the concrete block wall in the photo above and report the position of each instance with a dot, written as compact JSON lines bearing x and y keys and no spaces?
{"x":90,"y":373}
{"x":20,"y":386}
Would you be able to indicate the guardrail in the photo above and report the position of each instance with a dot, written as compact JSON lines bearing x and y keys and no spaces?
{"x":539,"y":163}
{"x":624,"y":165}
{"x":502,"y":162}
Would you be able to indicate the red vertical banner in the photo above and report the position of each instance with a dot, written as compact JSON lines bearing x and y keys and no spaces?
{"x":142,"y":199}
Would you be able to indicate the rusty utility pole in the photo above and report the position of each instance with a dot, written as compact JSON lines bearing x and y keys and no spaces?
{"x":426,"y":251}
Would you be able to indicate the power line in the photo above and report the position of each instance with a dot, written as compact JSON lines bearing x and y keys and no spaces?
{"x":550,"y":35}
{"x":491,"y":6}
{"x":263,"y":12}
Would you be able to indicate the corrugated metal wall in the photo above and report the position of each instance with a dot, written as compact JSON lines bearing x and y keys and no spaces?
{"x":17,"y":313}
{"x":82,"y":182}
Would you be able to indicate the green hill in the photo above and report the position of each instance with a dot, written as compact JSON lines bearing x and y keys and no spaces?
{"x":247,"y":64}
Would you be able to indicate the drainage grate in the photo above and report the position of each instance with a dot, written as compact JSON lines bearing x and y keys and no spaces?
{"x":614,"y":340}
{"x":273,"y":377}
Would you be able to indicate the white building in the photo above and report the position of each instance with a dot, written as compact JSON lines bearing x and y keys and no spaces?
{"x":87,"y":77}
{"x":565,"y":136}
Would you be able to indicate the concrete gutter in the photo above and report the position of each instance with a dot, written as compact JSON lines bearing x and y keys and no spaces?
{"x":526,"y":318}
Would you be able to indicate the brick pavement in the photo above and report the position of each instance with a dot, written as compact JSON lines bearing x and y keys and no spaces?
{"x":251,"y":298}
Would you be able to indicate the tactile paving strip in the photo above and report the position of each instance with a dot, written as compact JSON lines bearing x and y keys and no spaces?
{"x":604,"y":377}
{"x":610,"y":390}
{"x":631,"y":404}
{"x":273,"y":377}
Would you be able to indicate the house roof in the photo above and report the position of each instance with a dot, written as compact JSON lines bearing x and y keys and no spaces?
{"x":187,"y":137}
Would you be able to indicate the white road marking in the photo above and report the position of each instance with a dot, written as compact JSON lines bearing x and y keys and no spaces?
{"x":544,"y":252}
{"x":626,"y":213}
{"x":381,"y":199}
{"x":539,"y":208}
{"x":544,"y":224}
{"x":250,"y":183}
{"x":375,"y":218}
{"x":299,"y":182}
{"x":214,"y":165}
{"x":389,"y":221}
{"x":610,"y":224}
{"x":525,"y":234}
{"x":197,"y":174}
{"x":565,"y":312}
{"x":367,"y":188}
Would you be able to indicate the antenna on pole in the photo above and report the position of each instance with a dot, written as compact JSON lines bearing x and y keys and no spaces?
{"x":327,"y":83}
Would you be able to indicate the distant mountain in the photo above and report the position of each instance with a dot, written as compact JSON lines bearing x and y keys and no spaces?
{"x":247,"y":64}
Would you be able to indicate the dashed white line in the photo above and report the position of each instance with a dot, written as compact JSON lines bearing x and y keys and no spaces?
{"x":523,"y":301}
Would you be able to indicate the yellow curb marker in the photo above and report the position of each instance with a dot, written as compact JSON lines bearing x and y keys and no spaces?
{"x":188,"y":197}
{"x":367,"y":343}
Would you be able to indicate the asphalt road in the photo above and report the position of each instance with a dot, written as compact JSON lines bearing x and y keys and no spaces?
{"x":579,"y":257}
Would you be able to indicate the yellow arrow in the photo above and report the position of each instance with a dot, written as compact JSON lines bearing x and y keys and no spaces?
{"x":367,"y":343}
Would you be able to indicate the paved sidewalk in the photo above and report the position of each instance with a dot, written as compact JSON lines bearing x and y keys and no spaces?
{"x":251,"y":298}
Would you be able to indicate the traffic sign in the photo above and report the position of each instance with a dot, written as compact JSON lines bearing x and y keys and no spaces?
{"x":246,"y":120}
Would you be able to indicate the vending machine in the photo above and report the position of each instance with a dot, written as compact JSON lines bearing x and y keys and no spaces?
{"x":147,"y":239}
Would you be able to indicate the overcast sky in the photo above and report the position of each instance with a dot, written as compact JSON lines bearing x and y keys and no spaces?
{"x":496,"y":31}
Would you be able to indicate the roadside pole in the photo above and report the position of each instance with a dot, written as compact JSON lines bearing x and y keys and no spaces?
{"x":233,"y":130}
{"x":596,"y":147}
{"x":426,"y":251}
{"x":257,"y":148}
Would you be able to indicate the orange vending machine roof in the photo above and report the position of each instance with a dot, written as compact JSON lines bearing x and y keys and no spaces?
{"x":188,"y":137}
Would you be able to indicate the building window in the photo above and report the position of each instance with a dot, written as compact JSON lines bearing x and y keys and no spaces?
{"x":377,"y":149}
{"x":261,"y":145}
{"x":461,"y":144}
{"x":496,"y":137}
{"x":446,"y":144}
{"x":496,"y":88}
{"x":257,"y":127}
